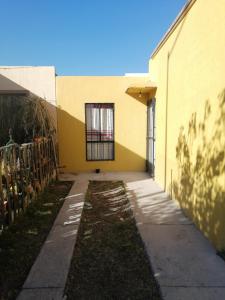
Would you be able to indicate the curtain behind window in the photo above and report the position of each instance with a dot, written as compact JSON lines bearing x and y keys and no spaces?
{"x":100,"y":131}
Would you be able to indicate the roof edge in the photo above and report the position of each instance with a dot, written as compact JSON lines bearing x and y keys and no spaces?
{"x":174,"y":25}
{"x":25,"y":67}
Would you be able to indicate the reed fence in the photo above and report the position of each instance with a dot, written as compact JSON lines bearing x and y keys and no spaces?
{"x":25,"y":170}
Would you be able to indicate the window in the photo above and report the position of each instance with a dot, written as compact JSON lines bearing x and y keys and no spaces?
{"x":99,"y":131}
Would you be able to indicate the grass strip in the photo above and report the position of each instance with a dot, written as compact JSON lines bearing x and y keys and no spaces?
{"x":109,"y":259}
{"x":21,"y":242}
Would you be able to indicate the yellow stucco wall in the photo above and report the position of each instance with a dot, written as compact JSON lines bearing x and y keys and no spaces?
{"x":189,"y":70}
{"x":130,"y":122}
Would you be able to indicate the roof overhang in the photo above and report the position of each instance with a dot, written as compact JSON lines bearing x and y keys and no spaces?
{"x":14,"y":92}
{"x":141,"y":86}
{"x":137,"y":89}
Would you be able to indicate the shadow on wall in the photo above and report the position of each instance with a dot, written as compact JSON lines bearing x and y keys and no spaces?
{"x":72,"y":149}
{"x":200,"y":187}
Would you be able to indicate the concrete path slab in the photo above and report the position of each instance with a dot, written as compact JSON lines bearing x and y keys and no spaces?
{"x":193,"y":293}
{"x":184,"y":262}
{"x":47,"y":277}
{"x":181,"y":256}
{"x":42,"y":294}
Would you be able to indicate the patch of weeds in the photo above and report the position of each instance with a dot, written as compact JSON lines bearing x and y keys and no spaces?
{"x":21,"y":242}
{"x":109,"y":259}
{"x":222,"y":254}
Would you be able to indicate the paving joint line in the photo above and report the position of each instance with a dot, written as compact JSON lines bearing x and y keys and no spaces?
{"x":193,"y":286}
{"x":43,"y":287}
{"x":165,"y":224}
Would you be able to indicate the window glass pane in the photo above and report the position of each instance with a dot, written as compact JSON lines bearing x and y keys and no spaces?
{"x":89,"y":151}
{"x":100,"y":151}
{"x":108,"y":150}
{"x":100,"y":131}
{"x":92,"y":123}
{"x":106,"y":124}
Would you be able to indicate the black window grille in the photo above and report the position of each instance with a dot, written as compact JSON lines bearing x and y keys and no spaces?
{"x":99,"y":119}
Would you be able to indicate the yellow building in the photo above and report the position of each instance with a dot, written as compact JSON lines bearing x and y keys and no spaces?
{"x":102,"y":122}
{"x":188,"y":67}
{"x":109,"y":123}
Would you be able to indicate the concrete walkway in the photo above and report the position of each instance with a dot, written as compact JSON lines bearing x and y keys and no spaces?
{"x":184,"y":263}
{"x":47,"y":278}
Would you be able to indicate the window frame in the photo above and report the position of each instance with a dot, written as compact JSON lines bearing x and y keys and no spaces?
{"x":93,"y":142}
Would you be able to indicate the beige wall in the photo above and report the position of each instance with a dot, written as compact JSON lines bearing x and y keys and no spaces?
{"x":189,"y":70}
{"x":40,"y":81}
{"x":130,"y":122}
